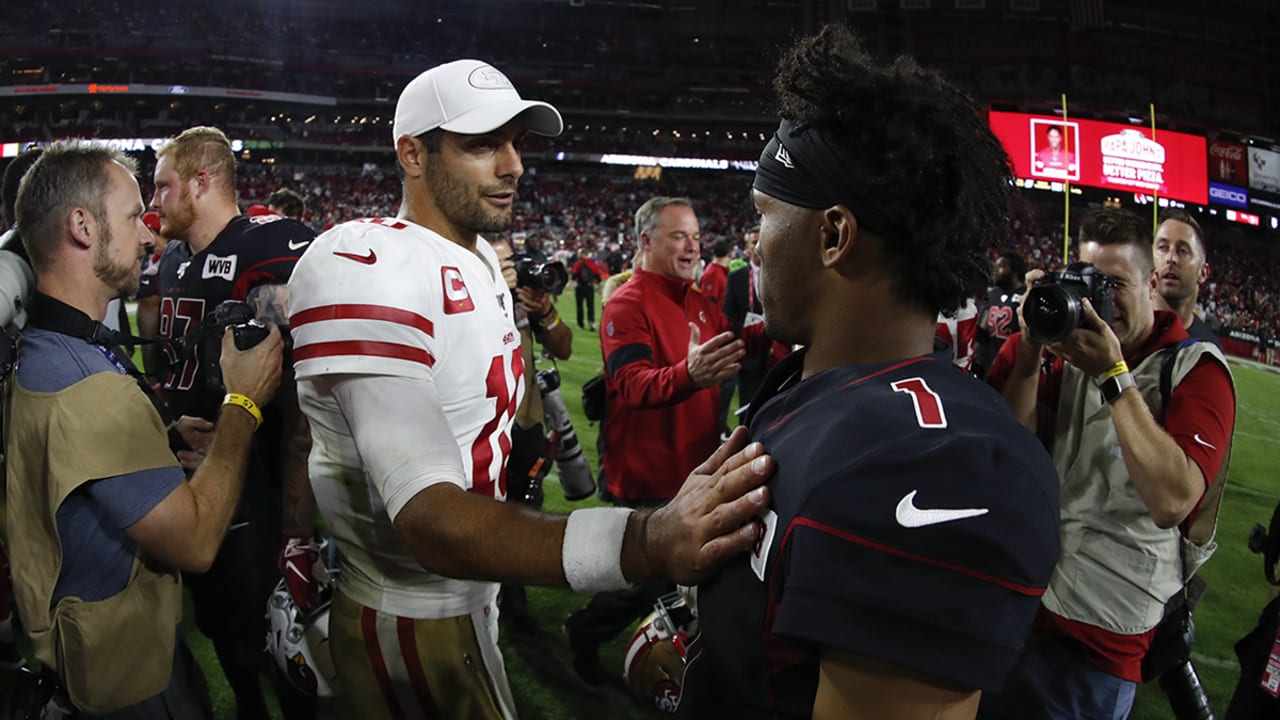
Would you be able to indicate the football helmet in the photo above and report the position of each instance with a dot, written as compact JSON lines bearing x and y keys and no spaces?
{"x":655,"y":659}
{"x":298,"y":642}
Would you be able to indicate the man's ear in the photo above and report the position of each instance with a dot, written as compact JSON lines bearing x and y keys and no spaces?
{"x":82,"y":226}
{"x":203,"y":183}
{"x":411,"y":155}
{"x":838,"y":233}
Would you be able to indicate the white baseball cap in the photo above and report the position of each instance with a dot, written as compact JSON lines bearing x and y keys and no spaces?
{"x":468,"y":97}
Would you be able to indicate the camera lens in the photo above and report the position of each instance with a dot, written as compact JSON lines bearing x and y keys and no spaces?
{"x":1051,"y":313}
{"x":1187,"y":697}
{"x":554,"y":278}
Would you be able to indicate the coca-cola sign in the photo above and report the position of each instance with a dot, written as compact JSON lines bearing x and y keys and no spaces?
{"x":1227,"y":163}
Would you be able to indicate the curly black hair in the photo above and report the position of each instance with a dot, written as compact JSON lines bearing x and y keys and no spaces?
{"x":922,"y":144}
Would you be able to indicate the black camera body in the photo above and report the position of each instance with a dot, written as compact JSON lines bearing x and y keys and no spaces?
{"x":1052,"y":309}
{"x":549,"y":277}
{"x":206,"y":340}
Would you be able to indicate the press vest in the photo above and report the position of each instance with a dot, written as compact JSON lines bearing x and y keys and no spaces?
{"x":1118,"y":569}
{"x":110,"y":653}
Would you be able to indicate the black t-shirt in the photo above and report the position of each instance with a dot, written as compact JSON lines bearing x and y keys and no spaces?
{"x":1201,"y":330}
{"x":250,"y":251}
{"x":912,"y":520}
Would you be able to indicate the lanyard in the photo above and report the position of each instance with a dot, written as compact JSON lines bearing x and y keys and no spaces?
{"x":50,"y":314}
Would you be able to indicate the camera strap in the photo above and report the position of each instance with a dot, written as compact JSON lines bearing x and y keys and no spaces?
{"x":51,"y":314}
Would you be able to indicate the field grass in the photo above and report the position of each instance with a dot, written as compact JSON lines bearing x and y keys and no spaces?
{"x":546,"y":688}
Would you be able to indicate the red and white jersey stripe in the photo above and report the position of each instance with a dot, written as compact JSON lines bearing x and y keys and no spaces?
{"x":961,"y":333}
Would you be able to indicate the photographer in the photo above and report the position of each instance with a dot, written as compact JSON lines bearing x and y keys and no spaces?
{"x":1141,"y":468}
{"x":535,"y":316}
{"x":99,"y":515}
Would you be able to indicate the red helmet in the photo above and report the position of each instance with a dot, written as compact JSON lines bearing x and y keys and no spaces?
{"x":298,"y":642}
{"x":655,"y":660}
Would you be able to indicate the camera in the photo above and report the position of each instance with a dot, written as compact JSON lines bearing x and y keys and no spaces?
{"x":550,"y":277}
{"x":206,"y":339}
{"x":571,"y":465}
{"x":1053,"y":308}
{"x":1187,"y":697}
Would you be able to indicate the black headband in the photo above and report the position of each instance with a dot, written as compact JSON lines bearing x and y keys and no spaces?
{"x":799,"y":167}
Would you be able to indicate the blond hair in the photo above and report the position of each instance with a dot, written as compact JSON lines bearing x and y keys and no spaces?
{"x":203,"y":148}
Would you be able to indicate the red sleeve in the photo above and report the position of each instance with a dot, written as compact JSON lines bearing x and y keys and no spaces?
{"x":632,"y":344}
{"x":998,"y":375}
{"x":1202,"y":414}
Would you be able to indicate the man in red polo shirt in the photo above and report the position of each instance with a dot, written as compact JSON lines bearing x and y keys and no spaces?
{"x":1139,"y":421}
{"x":667,"y":348}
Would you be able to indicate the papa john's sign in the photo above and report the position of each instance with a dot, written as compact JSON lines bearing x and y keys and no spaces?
{"x":1111,"y":156}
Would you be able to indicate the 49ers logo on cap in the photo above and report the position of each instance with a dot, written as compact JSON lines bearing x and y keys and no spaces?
{"x":456,"y":297}
{"x":489,"y":78}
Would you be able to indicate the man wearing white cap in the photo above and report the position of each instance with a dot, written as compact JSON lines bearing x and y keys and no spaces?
{"x":409,"y":369}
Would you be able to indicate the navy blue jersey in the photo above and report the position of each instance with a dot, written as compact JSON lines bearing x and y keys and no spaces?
{"x":912,"y":521}
{"x":997,"y":322}
{"x":250,"y":251}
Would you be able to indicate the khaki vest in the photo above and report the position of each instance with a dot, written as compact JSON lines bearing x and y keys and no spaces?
{"x":1118,"y":569}
{"x":110,"y":653}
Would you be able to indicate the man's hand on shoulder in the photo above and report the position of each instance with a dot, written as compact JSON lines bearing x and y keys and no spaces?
{"x":710,"y":520}
{"x":714,"y":361}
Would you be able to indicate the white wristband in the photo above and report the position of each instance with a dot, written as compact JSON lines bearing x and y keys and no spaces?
{"x":592,"y":552}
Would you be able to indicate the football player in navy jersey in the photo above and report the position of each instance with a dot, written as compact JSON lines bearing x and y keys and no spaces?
{"x":911,"y":528}
{"x":998,"y":319}
{"x":218,"y":254}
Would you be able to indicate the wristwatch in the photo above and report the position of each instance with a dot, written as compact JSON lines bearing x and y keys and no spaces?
{"x":1113,"y":386}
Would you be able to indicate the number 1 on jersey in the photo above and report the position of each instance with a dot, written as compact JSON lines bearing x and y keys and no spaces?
{"x":928,"y":406}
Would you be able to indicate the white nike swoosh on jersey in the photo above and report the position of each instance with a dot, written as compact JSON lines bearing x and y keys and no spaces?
{"x":908,"y":515}
{"x":1196,"y":437}
{"x":237,"y":526}
{"x":298,"y":245}
{"x":296,"y":570}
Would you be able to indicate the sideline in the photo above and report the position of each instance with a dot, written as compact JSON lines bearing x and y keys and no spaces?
{"x":1246,"y":362}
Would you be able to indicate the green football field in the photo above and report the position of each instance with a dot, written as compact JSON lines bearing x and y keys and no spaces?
{"x":545,"y":686}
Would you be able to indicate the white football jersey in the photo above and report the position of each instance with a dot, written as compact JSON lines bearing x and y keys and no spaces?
{"x":389,"y":297}
{"x":961,"y":333}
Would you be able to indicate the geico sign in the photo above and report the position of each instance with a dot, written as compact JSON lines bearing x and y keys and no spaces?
{"x":1235,"y":197}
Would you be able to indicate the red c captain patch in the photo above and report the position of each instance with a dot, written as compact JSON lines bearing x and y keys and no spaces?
{"x":457,"y":299}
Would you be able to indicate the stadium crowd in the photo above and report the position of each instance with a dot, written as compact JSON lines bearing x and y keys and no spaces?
{"x":581,"y":206}
{"x":569,"y":208}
